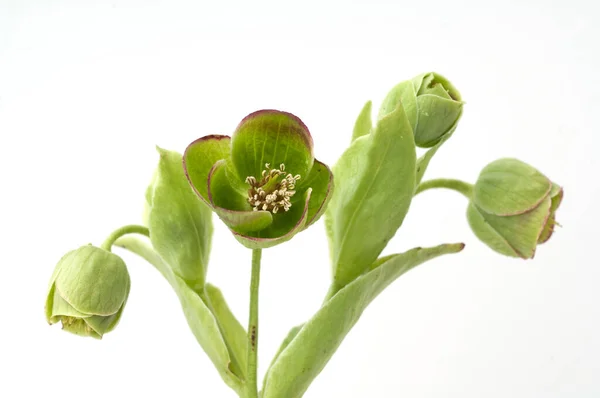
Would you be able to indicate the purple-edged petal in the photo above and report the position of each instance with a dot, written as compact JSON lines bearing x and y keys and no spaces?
{"x":556,"y":196}
{"x":320,"y":179}
{"x":521,"y":231}
{"x":273,"y":137}
{"x":508,"y":187}
{"x":231,"y":206}
{"x":199,"y":158}
{"x":258,"y":242}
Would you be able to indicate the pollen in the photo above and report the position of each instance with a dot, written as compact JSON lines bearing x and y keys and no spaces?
{"x":273,"y":191}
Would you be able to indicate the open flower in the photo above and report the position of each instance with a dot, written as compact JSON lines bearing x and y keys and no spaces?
{"x":263,"y":181}
{"x":88,"y":291}
{"x":513,"y":207}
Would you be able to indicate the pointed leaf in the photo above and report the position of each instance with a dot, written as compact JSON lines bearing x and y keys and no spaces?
{"x":286,"y":341}
{"x":233,"y":332}
{"x":375,"y":182}
{"x":308,"y":353}
{"x":200,"y":319}
{"x":403,"y":93}
{"x":180,"y":223}
{"x":363,"y":125}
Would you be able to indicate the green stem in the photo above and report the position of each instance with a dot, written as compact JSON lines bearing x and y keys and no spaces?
{"x":252,"y":385}
{"x":128,"y":229}
{"x":457,"y":185}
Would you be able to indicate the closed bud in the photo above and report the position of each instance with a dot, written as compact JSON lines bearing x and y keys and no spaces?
{"x":513,"y":207}
{"x":88,"y":291}
{"x":432,"y":104}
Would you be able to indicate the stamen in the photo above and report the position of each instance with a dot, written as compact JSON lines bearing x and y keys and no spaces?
{"x":273,"y":191}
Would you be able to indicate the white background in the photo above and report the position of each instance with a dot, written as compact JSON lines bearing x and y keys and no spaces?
{"x":87,"y":88}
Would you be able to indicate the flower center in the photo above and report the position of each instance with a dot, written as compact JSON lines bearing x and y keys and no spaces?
{"x":273,"y":191}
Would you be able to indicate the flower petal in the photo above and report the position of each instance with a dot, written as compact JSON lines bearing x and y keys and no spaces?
{"x":556,"y":196}
{"x":320,"y":180}
{"x":231,"y":206}
{"x":508,"y":187}
{"x":200,"y":156}
{"x":522,"y":231}
{"x":270,"y":236}
{"x":273,"y":137}
{"x":93,"y":281}
{"x":487,"y":234}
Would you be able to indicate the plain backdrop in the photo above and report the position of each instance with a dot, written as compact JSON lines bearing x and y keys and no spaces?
{"x":88,"y":88}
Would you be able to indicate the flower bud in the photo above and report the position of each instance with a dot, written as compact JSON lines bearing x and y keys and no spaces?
{"x":513,"y":207}
{"x":88,"y":291}
{"x":432,"y":104}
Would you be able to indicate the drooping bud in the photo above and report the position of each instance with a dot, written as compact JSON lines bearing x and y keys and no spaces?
{"x":88,"y":291}
{"x":513,"y":207}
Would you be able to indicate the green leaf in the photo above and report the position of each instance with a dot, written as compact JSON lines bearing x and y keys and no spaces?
{"x":403,"y":93}
{"x":180,"y":224}
{"x":273,"y":137}
{"x":375,"y":182}
{"x":233,"y":332}
{"x":286,"y":341}
{"x":508,"y":186}
{"x":200,"y":319}
{"x":308,"y":353}
{"x":364,"y":124}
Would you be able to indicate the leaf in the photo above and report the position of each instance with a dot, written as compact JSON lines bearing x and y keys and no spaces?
{"x":180,"y":223}
{"x":233,"y":332}
{"x":288,"y":339}
{"x":308,"y":353}
{"x":363,"y":124}
{"x":375,"y":182}
{"x":200,"y":319}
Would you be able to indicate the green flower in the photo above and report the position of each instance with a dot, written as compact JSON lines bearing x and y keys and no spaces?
{"x":88,"y":291}
{"x":513,"y":207}
{"x":263,"y":182}
{"x":432,"y":104}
